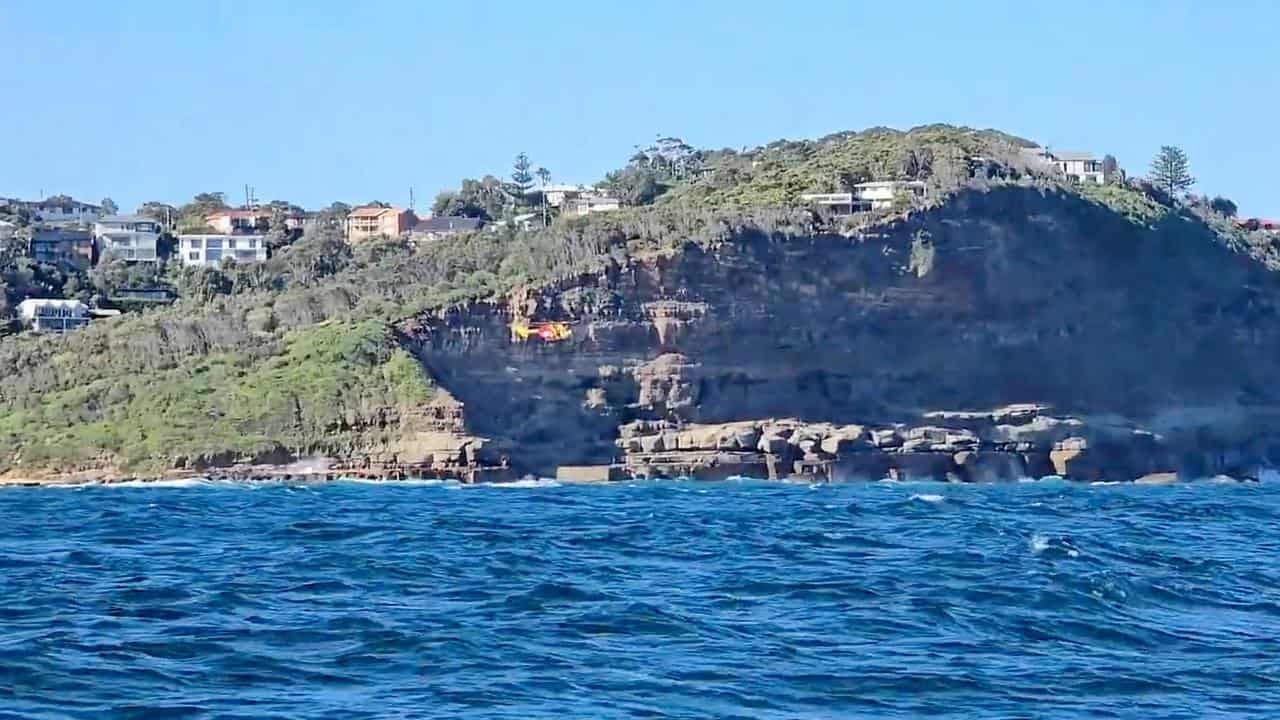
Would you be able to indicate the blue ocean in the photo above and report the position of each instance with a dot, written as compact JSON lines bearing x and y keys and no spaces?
{"x":646,"y":600}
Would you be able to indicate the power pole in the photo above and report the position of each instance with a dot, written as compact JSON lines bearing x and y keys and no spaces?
{"x":411,"y":198}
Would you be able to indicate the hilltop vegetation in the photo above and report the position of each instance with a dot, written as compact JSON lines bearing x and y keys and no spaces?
{"x":671,"y":172}
{"x":300,"y":354}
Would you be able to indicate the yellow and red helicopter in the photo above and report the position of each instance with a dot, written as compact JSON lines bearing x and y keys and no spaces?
{"x":544,"y":331}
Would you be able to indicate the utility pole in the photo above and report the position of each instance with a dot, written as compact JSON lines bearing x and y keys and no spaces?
{"x":411,"y":198}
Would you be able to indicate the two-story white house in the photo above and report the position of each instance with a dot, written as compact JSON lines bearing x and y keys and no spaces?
{"x":50,"y":315}
{"x":133,"y":238}
{"x":1075,"y":166}
{"x":207,"y":250}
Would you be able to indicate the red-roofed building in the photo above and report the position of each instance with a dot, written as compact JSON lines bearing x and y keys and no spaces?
{"x":1263,"y":224}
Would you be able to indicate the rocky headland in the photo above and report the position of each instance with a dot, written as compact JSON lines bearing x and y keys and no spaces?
{"x":1011,"y":327}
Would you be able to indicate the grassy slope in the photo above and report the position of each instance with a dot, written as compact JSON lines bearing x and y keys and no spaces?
{"x":327,"y":379}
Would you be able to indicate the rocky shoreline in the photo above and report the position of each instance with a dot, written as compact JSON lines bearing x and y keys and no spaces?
{"x":1006,"y":445}
{"x":1009,"y":444}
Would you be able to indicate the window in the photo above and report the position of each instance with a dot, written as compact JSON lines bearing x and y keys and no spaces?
{"x":231,"y":244}
{"x":214,"y":244}
{"x":213,"y":255}
{"x":253,"y":244}
{"x":193,"y":256}
{"x":195,"y":243}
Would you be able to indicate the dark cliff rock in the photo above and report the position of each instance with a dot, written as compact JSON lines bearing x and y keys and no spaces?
{"x":1008,"y":297}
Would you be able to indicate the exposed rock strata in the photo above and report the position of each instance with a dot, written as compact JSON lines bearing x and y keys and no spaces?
{"x":998,"y":451}
{"x":1154,"y":347}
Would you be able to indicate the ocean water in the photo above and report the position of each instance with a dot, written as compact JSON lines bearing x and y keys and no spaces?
{"x":660,"y":600}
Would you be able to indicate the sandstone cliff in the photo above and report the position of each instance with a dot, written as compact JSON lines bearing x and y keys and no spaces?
{"x":1013,"y":295}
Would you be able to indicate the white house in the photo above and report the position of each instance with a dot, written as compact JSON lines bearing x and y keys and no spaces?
{"x":209,"y":250}
{"x":877,"y":195}
{"x":588,"y":204}
{"x":881,"y":194}
{"x":556,"y":194}
{"x":132,"y":238}
{"x":62,"y":211}
{"x":53,"y":315}
{"x":1076,"y":166}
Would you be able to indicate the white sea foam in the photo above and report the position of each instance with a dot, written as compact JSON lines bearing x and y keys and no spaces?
{"x":401,"y":481}
{"x":929,"y":498}
{"x":1039,"y":543}
{"x":308,"y":466}
{"x":527,"y":483}
{"x":165,"y":483}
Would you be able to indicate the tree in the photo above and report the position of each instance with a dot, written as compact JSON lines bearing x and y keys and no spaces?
{"x":1109,"y":166}
{"x":193,"y":217}
{"x":544,"y":179}
{"x":1170,"y":170}
{"x":158,"y":211}
{"x":521,"y":176}
{"x":278,"y":232}
{"x":671,"y":157}
{"x":914,"y":163}
{"x":635,"y":184}
{"x":109,"y":207}
{"x":1223,"y":206}
{"x":851,"y":178}
{"x":486,"y":198}
{"x":319,"y":253}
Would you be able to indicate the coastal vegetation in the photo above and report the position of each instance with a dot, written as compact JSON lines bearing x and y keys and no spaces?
{"x":302,"y":353}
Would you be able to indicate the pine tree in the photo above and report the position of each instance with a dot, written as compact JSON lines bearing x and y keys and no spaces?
{"x":521,"y":176}
{"x":1170,"y":170}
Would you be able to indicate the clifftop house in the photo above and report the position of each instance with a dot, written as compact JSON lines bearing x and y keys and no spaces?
{"x":63,"y":247}
{"x":1075,"y":166}
{"x":436,"y":228}
{"x":1259,"y":224}
{"x":210,"y":249}
{"x":588,"y":204}
{"x":133,"y":238}
{"x":370,"y":222}
{"x":257,"y":220}
{"x":53,"y":315}
{"x":60,"y":211}
{"x":875,"y":195}
{"x":557,"y":194}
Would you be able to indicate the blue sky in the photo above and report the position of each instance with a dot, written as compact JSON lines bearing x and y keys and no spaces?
{"x":335,"y":100}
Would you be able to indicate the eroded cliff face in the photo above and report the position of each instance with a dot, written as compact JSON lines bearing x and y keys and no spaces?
{"x":999,"y":297}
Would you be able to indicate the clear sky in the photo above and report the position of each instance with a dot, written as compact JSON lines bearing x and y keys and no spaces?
{"x":355,"y":101}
